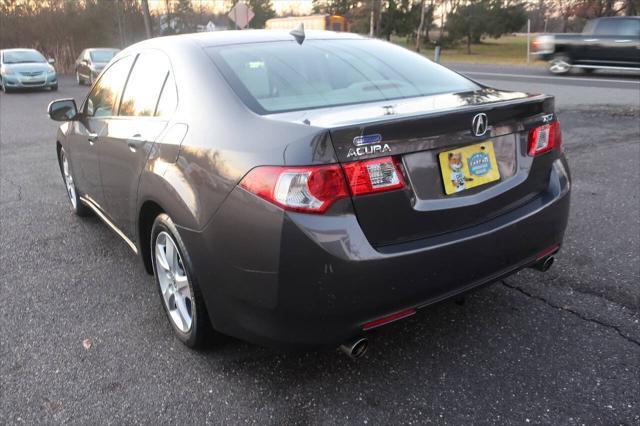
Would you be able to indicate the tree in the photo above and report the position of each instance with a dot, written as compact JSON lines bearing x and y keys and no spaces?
{"x":485,"y":17}
{"x":400,"y":18}
{"x":263,"y":10}
{"x":334,"y":7}
{"x":185,"y":17}
{"x":424,"y":22}
{"x":147,"y":18}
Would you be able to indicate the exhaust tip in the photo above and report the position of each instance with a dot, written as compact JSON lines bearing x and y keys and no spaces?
{"x":356,"y":348}
{"x":545,"y":264}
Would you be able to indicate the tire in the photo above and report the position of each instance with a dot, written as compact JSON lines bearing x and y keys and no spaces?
{"x":179,"y":292}
{"x":560,"y":64}
{"x":5,"y":89}
{"x":54,"y":88}
{"x":77,"y":206}
{"x":79,"y":79}
{"x":92,"y":78}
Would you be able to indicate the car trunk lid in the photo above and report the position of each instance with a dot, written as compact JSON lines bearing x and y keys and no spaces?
{"x":423,"y":209}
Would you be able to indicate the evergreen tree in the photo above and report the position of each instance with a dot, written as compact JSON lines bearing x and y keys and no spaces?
{"x":263,"y":10}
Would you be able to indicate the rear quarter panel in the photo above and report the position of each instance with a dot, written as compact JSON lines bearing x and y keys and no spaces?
{"x":224,"y":141}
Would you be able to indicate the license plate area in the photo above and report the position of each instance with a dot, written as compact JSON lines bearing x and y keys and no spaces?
{"x":468,"y":167}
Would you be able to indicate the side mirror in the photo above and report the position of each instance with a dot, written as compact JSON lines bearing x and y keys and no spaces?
{"x":63,"y":110}
{"x":51,"y":61}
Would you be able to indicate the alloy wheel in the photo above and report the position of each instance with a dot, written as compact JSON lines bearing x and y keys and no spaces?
{"x":559,"y":65}
{"x":174,"y":283}
{"x":68,"y":180}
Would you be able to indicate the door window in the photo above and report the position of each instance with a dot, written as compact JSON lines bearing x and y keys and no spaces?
{"x":629,"y":28}
{"x":144,"y":85}
{"x":618,"y":27}
{"x":103,"y":99}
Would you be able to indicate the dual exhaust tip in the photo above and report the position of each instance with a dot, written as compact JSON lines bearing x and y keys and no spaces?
{"x":544,"y":264}
{"x":356,"y":348}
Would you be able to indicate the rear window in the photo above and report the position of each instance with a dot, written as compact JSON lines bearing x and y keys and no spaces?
{"x":618,"y":27}
{"x":284,"y":76}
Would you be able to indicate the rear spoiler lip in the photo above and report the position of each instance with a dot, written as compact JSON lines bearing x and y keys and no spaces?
{"x":532,"y":98}
{"x":440,"y":129}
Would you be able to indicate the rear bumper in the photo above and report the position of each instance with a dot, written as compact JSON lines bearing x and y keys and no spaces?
{"x":286,"y":279}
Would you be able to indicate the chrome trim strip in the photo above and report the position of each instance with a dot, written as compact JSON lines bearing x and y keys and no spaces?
{"x":606,"y":67}
{"x":93,"y":206}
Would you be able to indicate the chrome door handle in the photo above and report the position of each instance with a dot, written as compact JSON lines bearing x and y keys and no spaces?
{"x":622,"y":41}
{"x":591,"y":40}
{"x":135,"y":142}
{"x":92,"y":137}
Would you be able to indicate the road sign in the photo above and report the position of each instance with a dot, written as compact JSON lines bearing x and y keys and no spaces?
{"x":241,"y":14}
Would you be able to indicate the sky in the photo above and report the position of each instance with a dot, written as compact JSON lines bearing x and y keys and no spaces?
{"x":218,"y":6}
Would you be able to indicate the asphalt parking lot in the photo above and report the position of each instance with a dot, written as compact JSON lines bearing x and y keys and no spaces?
{"x":556,"y":348}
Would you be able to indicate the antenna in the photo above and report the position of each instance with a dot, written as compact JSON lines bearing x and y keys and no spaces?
{"x":298,"y":33}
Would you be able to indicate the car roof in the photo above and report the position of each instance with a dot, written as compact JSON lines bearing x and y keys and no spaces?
{"x":221,"y":38}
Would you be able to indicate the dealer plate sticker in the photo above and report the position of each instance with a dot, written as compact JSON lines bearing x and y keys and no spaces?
{"x":468,"y":167}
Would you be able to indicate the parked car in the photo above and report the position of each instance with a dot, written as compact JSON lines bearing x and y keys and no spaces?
{"x":91,"y":62}
{"x":305,"y":194}
{"x":605,"y":43}
{"x":26,"y":69}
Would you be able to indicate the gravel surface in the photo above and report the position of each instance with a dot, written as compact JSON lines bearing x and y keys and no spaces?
{"x":555,"y":348}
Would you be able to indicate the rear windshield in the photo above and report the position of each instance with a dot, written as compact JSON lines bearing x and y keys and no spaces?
{"x":102,"y":55}
{"x":284,"y":76}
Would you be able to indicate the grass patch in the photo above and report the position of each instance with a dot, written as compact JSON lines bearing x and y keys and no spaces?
{"x":508,"y":50}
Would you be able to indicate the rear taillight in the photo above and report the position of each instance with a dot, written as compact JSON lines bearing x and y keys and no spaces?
{"x":369,"y":176}
{"x":545,"y":138}
{"x":307,"y":189}
{"x":313,"y":189}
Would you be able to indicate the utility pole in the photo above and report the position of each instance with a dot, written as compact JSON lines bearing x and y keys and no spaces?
{"x":147,"y":17}
{"x":528,"y":40}
{"x":420,"y":27}
{"x":373,"y":2}
{"x":120,"y":25}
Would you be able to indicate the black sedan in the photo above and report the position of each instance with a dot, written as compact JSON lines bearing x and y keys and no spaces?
{"x":304,"y":189}
{"x":91,"y":62}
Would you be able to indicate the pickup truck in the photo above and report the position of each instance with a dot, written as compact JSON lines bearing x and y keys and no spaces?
{"x":605,"y":43}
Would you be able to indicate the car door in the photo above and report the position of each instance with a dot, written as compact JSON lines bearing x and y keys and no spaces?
{"x":615,"y":42}
{"x":85,"y":63}
{"x":93,"y":128}
{"x":132,"y":134}
{"x":79,"y":62}
{"x":627,"y":42}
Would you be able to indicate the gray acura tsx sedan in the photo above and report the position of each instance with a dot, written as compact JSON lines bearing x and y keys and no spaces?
{"x":297,"y":189}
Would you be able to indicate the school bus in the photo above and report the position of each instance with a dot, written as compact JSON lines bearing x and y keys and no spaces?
{"x":311,"y":22}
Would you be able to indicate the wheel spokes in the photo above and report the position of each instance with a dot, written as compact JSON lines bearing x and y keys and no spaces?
{"x":182,"y":285}
{"x":161,"y":258}
{"x":182,"y":312}
{"x":173,"y":281}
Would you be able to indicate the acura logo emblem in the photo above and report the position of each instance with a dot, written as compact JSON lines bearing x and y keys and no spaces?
{"x":479,"y":124}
